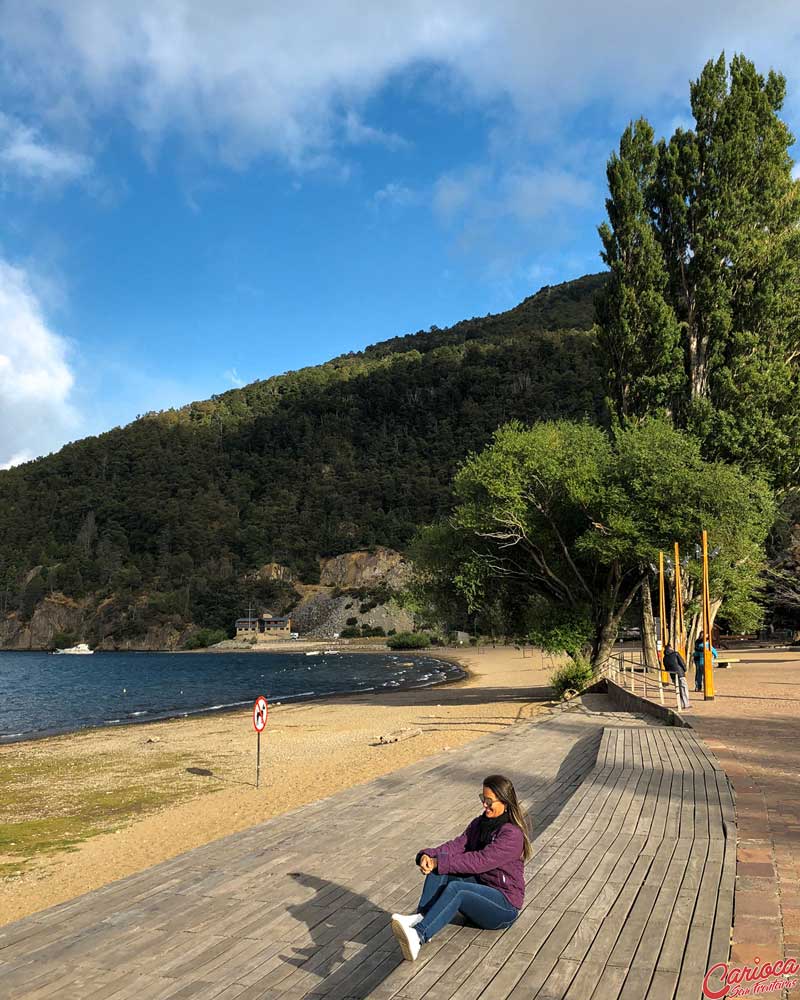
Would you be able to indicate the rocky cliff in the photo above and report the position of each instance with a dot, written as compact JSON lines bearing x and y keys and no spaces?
{"x":357,"y":588}
{"x":324,"y":612}
{"x":352,"y":570}
{"x":100,"y":624}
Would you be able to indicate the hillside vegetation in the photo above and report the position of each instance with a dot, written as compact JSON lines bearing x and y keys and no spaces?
{"x":169,"y":515}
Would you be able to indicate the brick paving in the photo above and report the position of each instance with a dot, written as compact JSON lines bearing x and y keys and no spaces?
{"x":753,"y":727}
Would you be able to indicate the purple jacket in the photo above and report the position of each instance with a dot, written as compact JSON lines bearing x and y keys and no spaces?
{"x":499,"y":864}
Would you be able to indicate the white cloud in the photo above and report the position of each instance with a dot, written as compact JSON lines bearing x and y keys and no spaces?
{"x":395,"y":194}
{"x":524,"y":195}
{"x":25,"y":153}
{"x":17,"y":459}
{"x":358,"y":133}
{"x":247,"y":78}
{"x":242,"y":78}
{"x":234,"y":378}
{"x":36,"y":414}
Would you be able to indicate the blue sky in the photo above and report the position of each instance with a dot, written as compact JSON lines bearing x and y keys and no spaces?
{"x":197,"y":194}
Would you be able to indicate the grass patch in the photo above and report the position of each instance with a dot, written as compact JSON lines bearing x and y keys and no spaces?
{"x":51,"y":803}
{"x":43,"y":836}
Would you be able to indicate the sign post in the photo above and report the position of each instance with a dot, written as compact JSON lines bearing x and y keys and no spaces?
{"x":260,"y":712}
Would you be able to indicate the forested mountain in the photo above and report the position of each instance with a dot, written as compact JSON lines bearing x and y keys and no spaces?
{"x":182,"y":504}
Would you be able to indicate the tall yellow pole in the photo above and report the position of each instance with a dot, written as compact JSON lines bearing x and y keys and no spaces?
{"x":708,"y":670}
{"x":662,"y":614}
{"x":680,"y":631}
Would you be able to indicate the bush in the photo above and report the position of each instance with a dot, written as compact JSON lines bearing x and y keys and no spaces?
{"x":204,"y":638}
{"x":575,"y":676}
{"x":408,"y":640}
{"x":350,"y":633}
{"x":369,"y":631}
{"x":351,"y":621}
{"x":393,"y":631}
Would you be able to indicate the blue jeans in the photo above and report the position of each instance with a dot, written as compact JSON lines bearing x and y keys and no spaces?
{"x":699,"y":676}
{"x":443,"y":896}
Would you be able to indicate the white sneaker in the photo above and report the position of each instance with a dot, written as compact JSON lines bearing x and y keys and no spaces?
{"x":407,"y":938}
{"x":409,"y":920}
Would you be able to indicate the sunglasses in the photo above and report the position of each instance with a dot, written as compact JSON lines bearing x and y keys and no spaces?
{"x":488,"y":802}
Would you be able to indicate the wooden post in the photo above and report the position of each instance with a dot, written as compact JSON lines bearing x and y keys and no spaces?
{"x":662,"y":612}
{"x":680,"y":631}
{"x":708,"y":667}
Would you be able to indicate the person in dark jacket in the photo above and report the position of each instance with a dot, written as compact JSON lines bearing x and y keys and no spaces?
{"x":675,"y":665}
{"x":480,"y":874}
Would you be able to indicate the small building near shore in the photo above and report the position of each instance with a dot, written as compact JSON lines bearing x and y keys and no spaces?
{"x":265,"y":627}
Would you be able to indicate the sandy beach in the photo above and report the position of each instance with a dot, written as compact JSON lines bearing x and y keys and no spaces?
{"x":81,"y":810}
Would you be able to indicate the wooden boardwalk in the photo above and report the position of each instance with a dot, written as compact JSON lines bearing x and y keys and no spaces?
{"x":630,"y":890}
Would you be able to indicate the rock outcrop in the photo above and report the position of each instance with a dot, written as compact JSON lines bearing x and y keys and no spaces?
{"x":54,"y":613}
{"x":101,"y":625}
{"x":353,"y":570}
{"x":324,"y":612}
{"x":273,"y":571}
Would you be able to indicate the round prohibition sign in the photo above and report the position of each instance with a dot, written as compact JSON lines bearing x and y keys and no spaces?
{"x":260,"y":712}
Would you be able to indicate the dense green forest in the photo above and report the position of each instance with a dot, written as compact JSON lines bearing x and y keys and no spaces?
{"x":360,"y":451}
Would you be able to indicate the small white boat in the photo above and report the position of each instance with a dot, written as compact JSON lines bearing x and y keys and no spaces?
{"x":314,"y":652}
{"x":82,"y":649}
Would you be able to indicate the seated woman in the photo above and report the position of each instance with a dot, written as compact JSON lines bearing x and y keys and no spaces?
{"x":479,"y":874}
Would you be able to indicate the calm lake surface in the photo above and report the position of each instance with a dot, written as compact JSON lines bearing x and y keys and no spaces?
{"x":41,"y":693}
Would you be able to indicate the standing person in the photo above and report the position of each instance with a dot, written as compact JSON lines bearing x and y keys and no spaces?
{"x":480,"y":874}
{"x":699,"y":665}
{"x":675,"y":665}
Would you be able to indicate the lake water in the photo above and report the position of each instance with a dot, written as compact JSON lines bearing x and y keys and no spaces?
{"x":41,"y":693}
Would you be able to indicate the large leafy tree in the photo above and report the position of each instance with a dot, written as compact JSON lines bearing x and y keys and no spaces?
{"x":559,"y":522}
{"x":703,"y":243}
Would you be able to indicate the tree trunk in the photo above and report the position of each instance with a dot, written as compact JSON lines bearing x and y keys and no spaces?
{"x":607,"y":628}
{"x":604,"y":644}
{"x":648,"y":627}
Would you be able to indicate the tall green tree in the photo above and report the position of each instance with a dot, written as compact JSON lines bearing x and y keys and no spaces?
{"x":720,"y":202}
{"x":638,"y":331}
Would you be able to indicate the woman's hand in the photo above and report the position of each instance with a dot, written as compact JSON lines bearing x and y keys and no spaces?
{"x":427,"y":864}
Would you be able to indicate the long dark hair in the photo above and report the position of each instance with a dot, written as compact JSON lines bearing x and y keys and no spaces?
{"x":504,"y":790}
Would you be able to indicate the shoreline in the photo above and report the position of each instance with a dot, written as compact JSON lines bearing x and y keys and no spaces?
{"x":36,"y":736}
{"x":99,"y":805}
